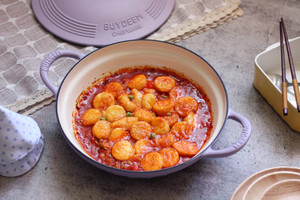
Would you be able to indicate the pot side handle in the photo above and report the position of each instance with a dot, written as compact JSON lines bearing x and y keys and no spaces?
{"x":48,"y":61}
{"x":240,"y":143}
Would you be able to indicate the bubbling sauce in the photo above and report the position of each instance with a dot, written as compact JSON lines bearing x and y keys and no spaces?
{"x":143,"y":119}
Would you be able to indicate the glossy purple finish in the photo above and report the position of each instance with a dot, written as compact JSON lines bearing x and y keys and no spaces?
{"x":238,"y":145}
{"x":101,"y":22}
{"x":209,"y":152}
{"x":49,"y":59}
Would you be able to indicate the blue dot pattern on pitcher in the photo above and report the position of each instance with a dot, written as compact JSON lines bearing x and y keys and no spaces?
{"x":20,"y":143}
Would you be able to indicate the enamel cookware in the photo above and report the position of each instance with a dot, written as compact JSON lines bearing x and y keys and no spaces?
{"x":111,"y":58}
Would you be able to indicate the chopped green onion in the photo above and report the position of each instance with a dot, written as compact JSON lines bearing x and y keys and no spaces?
{"x":168,"y":114}
{"x":103,"y":118}
{"x":130,"y":97}
{"x":152,"y":135}
{"x":164,"y":96}
{"x":128,"y":114}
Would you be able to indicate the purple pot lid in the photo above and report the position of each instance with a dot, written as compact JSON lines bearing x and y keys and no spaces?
{"x":101,"y":22}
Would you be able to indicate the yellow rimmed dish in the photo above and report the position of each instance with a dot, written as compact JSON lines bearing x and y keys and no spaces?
{"x":267,"y":65}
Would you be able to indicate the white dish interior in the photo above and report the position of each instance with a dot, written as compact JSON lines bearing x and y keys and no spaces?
{"x":270,"y":63}
{"x":139,"y":53}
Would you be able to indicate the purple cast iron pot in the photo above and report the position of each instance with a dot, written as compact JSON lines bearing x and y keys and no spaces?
{"x":111,"y":58}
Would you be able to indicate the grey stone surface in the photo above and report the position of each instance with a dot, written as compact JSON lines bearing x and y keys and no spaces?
{"x":230,"y":49}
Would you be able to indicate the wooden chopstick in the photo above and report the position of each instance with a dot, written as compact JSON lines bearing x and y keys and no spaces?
{"x":294,"y":78}
{"x":283,"y":72}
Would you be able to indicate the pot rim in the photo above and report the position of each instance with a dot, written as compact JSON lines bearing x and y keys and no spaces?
{"x":124,"y":172}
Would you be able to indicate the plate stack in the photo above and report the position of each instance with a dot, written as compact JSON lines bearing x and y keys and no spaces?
{"x":280,"y":183}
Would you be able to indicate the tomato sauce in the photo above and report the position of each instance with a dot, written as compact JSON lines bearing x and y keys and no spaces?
{"x":100,"y":149}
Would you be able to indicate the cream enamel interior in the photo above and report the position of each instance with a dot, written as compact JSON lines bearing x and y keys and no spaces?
{"x":139,"y":53}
